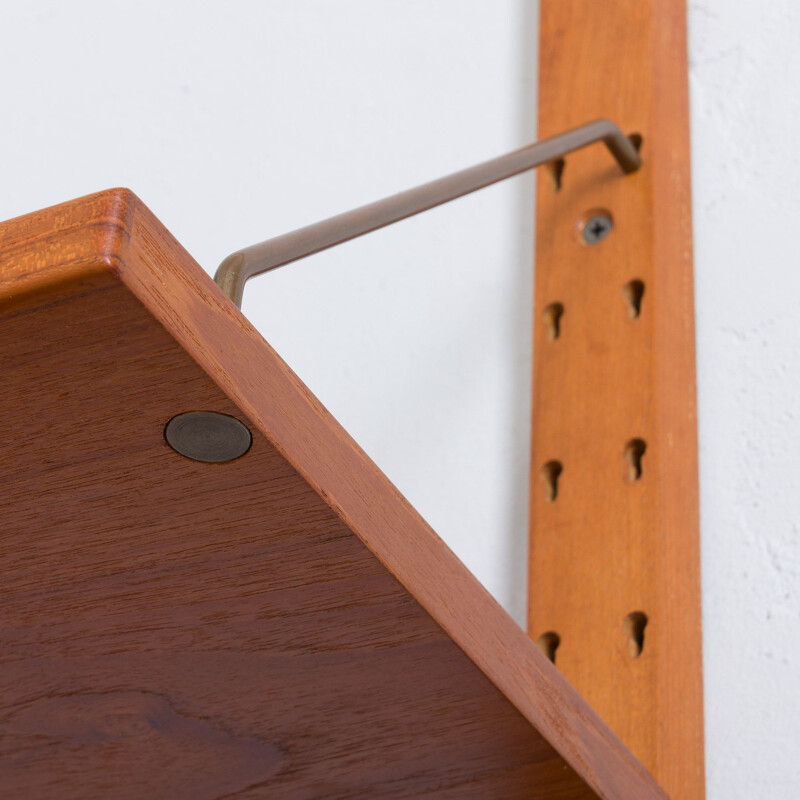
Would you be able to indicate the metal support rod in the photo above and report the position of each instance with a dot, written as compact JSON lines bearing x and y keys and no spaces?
{"x":243,"y":264}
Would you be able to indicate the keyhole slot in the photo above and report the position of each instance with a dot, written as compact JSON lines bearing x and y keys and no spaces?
{"x":548,"y":643}
{"x":550,"y":474}
{"x":556,"y":170}
{"x":634,"y":452}
{"x":633,"y":292}
{"x":634,"y":625}
{"x":552,"y":319}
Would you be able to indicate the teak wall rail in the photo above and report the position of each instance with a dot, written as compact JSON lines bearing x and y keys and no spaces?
{"x":614,"y":561}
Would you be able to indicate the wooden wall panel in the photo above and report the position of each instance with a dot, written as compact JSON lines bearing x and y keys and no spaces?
{"x":611,"y":544}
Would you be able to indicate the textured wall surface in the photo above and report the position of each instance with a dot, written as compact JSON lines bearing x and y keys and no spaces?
{"x":745,"y":70}
{"x":239,"y":121}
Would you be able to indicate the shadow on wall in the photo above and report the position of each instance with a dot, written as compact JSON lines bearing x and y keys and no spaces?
{"x":521,"y":312}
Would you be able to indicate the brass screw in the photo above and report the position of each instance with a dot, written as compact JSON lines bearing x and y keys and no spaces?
{"x":597,"y":228}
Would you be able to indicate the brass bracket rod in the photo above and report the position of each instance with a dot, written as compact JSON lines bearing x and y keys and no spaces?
{"x":243,"y":264}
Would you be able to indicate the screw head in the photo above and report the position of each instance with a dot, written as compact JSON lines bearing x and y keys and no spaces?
{"x":208,"y":436}
{"x":596,"y":228}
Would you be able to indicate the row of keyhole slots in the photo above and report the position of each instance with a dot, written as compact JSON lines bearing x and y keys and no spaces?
{"x":632,"y":292}
{"x":633,"y":454}
{"x":632,"y":626}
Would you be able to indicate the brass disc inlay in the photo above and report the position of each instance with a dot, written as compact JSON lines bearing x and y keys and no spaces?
{"x":208,"y":436}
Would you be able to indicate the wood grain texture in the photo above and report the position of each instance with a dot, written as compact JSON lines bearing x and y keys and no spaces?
{"x":610,"y":544}
{"x":281,"y":626}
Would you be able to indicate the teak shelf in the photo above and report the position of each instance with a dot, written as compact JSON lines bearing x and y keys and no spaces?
{"x":284,"y":625}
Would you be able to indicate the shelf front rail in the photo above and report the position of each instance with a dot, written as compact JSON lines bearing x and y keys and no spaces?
{"x":235,"y":270}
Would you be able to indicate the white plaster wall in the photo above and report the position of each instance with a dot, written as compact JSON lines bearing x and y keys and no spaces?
{"x":745,"y":73}
{"x":238,"y":121}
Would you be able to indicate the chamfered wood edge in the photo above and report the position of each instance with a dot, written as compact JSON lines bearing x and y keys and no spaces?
{"x":76,"y":246}
{"x":129,"y":243}
{"x":674,"y":335}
